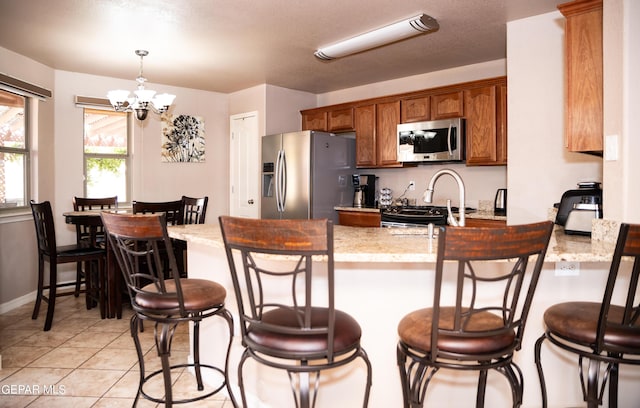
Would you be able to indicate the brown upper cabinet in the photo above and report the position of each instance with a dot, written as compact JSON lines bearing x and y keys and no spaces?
{"x":365,"y":124}
{"x":340,"y":120}
{"x":583,"y":76}
{"x":447,"y":105}
{"x":334,"y":120}
{"x":376,"y":138}
{"x":485,"y":112}
{"x":482,"y":103}
{"x":314,"y":120}
{"x":415,"y":109}
{"x":387,"y":120}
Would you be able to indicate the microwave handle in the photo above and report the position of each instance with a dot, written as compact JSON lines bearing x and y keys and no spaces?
{"x":449,"y":140}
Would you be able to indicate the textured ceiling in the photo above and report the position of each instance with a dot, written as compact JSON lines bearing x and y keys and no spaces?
{"x":229,"y":45}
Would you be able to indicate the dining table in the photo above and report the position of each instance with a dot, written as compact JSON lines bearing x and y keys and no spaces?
{"x":114,"y":283}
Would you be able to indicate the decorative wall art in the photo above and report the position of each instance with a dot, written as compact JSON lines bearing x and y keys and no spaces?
{"x":182,"y":139}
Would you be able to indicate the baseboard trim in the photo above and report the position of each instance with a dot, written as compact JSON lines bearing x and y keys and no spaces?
{"x":17,"y":302}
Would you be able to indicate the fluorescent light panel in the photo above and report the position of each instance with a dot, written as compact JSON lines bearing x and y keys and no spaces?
{"x":386,"y":35}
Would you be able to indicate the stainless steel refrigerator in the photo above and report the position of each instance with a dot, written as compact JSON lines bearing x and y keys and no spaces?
{"x":306,"y":174}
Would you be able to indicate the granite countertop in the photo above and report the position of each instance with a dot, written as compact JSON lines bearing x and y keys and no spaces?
{"x":356,"y":244}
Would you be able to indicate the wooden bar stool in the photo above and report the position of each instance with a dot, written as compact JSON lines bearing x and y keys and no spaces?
{"x":600,"y":332}
{"x":137,"y":241}
{"x":287,"y":329}
{"x":482,"y":326}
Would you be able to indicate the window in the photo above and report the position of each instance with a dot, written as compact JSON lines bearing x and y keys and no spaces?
{"x":106,"y":154}
{"x":14,"y":151}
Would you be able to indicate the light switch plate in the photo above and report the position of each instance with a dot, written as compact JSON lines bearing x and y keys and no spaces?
{"x":611,"y":147}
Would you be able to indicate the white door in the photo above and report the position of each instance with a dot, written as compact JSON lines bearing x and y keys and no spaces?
{"x":245,"y":166}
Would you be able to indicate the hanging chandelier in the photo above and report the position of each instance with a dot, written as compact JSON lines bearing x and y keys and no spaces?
{"x":143,"y":100}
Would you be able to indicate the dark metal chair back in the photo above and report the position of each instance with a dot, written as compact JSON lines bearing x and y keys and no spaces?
{"x":524,"y":246}
{"x":138,"y":242}
{"x":283,"y":278}
{"x":606,"y":332}
{"x":45,"y":229}
{"x":625,"y":323}
{"x":194,"y":210}
{"x":258,"y":243}
{"x":484,"y":284}
{"x":172,"y":209}
{"x":84,"y":233}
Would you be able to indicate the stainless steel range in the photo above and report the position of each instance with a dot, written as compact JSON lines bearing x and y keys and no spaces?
{"x":415,"y":216}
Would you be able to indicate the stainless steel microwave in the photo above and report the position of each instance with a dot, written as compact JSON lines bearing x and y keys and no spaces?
{"x":436,"y":140}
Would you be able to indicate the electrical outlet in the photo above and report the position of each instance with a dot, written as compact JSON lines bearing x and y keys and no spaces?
{"x":412,"y":185}
{"x":567,"y":268}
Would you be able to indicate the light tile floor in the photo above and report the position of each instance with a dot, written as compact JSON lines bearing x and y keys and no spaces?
{"x":84,"y":361}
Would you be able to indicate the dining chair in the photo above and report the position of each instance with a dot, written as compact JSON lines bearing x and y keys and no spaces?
{"x":167,"y":302}
{"x":173,"y":214}
{"x":606,"y":332}
{"x":485,"y":280}
{"x":288,"y":329}
{"x":54,"y":255}
{"x":193,"y":211}
{"x":90,"y":235}
{"x":172,"y":209}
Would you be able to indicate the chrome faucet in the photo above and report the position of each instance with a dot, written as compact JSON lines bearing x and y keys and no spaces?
{"x":428,"y":196}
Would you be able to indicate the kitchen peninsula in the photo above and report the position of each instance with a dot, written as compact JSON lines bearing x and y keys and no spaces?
{"x":381,"y":274}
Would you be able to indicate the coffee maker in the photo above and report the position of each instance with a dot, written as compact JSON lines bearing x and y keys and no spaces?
{"x":364,"y":186}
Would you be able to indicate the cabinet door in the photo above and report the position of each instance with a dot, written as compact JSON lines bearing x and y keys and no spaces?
{"x":340,"y":120}
{"x":448,"y":105}
{"x":387,"y":120}
{"x":365,"y":122}
{"x":584,"y":86}
{"x":480,"y":106}
{"x":314,"y":121}
{"x":415,"y":109}
{"x":359,"y":219}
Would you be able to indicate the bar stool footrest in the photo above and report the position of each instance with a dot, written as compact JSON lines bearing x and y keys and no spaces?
{"x":185,"y":400}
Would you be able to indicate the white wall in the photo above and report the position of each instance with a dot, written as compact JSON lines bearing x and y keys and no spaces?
{"x":18,"y":251}
{"x":278,"y":108}
{"x":283,"y":109}
{"x":249,"y":100}
{"x":621,"y":40}
{"x":540,"y":168}
{"x":153,"y":180}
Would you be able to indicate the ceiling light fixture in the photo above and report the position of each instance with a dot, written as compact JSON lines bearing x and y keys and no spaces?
{"x":144,"y":99}
{"x":382,"y":36}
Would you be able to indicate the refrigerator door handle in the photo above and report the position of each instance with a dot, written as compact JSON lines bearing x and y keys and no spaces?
{"x":278,"y":182}
{"x":283,"y":180}
{"x":276,"y":176}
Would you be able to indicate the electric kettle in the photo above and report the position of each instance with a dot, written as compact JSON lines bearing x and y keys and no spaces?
{"x":500,"y":206}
